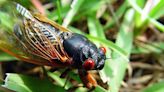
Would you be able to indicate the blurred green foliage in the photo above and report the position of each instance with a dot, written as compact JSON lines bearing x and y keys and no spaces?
{"x":128,"y":18}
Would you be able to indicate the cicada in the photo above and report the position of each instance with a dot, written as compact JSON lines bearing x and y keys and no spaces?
{"x":44,"y":42}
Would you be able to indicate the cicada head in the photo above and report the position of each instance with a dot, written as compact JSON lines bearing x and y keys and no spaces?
{"x":96,"y":59}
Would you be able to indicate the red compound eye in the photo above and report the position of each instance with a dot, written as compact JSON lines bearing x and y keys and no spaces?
{"x":89,"y":64}
{"x":103,"y":49}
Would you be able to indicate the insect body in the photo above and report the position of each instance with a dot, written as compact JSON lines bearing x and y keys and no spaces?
{"x":48,"y":40}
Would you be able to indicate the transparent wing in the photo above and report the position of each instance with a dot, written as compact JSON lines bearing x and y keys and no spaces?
{"x":42,"y":35}
{"x":34,"y":41}
{"x":21,"y":42}
{"x":9,"y":44}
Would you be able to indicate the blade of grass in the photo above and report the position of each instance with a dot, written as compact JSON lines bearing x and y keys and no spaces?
{"x":23,"y":83}
{"x":81,"y":89}
{"x":2,"y":1}
{"x":99,"y":89}
{"x":158,"y":87}
{"x":153,"y":47}
{"x":138,"y":21}
{"x":156,"y":11}
{"x":150,"y":19}
{"x":89,"y":7}
{"x":71,"y":13}
{"x":4,"y":21}
{"x":58,"y":80}
{"x":124,"y":40}
{"x":157,"y":24}
{"x":118,"y":14}
{"x":58,"y":3}
{"x":54,"y":14}
{"x":95,"y":28}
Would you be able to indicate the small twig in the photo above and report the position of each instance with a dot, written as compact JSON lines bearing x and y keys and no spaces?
{"x":1,"y":73}
{"x":141,"y":43}
{"x":113,"y":14}
{"x":124,"y":84}
{"x":139,"y":80}
{"x":130,"y":70}
{"x":146,"y":66}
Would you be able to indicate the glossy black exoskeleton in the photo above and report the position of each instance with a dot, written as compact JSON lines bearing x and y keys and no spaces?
{"x":85,"y":54}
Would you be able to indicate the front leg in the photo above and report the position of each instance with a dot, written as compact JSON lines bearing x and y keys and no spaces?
{"x":87,"y":79}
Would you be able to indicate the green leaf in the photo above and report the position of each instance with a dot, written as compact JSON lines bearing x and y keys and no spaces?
{"x":89,"y":7}
{"x":74,"y":76}
{"x":99,"y":89}
{"x":124,"y":40}
{"x":157,"y":87}
{"x":118,"y":14}
{"x":95,"y":28}
{"x":4,"y":21}
{"x":2,"y":2}
{"x":6,"y":57}
{"x":23,"y":83}
{"x":59,"y":11}
{"x":54,"y":14}
{"x":138,"y":20}
{"x":59,"y":81}
{"x":153,"y":47}
{"x":81,"y":89}
{"x":147,"y":18}
{"x":71,"y":13}
{"x":156,"y":11}
{"x":4,"y":89}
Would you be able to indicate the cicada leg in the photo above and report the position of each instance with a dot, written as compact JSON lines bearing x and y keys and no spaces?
{"x":87,"y":79}
{"x":65,"y":73}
